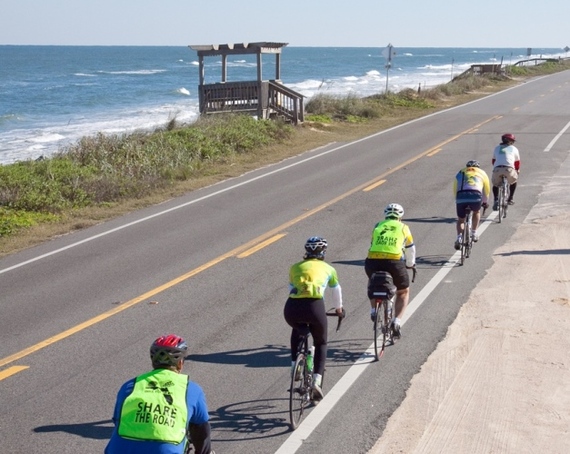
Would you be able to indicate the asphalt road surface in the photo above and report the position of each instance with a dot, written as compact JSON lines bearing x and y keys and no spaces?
{"x":78,"y":313}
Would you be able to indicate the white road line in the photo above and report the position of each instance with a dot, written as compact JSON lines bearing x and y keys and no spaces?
{"x":86,"y":240}
{"x":310,"y":423}
{"x":553,"y":141}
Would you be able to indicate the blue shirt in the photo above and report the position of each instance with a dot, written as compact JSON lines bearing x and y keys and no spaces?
{"x":197,"y":414}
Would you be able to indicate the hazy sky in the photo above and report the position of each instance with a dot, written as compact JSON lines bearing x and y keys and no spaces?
{"x":366,"y":23}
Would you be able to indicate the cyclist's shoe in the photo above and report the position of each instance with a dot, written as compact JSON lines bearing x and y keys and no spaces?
{"x":496,"y":205}
{"x":474,"y":236}
{"x":511,"y":202}
{"x":396,"y":329}
{"x":458,"y":242}
{"x":317,"y":392}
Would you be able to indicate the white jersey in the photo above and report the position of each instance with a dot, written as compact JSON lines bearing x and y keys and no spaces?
{"x":506,"y":155}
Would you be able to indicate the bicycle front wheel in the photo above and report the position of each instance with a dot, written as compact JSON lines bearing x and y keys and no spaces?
{"x":380,"y":330}
{"x":299,"y":392}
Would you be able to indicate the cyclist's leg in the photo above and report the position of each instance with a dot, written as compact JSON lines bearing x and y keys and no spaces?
{"x":294,"y":313}
{"x":512,"y":178}
{"x":402,"y":282}
{"x":318,"y":327}
{"x":460,"y":224}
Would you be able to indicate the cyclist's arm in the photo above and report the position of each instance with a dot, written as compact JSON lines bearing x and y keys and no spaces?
{"x":200,"y":436}
{"x":336,"y":293}
{"x":486,"y":188}
{"x":409,"y":248}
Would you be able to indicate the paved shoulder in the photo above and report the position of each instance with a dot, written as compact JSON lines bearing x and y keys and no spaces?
{"x":500,"y":380}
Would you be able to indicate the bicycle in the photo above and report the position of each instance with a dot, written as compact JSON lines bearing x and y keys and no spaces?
{"x":467,"y":238}
{"x":382,"y":291}
{"x":300,"y":392}
{"x":503,"y":197}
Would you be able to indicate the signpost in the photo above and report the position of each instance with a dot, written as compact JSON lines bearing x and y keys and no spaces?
{"x":388,"y":53}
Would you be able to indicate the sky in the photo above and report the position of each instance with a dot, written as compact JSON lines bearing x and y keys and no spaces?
{"x":332,"y":23}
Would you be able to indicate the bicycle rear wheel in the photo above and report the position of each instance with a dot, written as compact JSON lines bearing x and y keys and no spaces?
{"x":300,"y":391}
{"x":506,"y":194}
{"x":380,"y":330}
{"x":503,"y":195}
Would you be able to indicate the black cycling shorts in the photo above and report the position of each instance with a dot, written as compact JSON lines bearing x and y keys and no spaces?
{"x":397,"y":268}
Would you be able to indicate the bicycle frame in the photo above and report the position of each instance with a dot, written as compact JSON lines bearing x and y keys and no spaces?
{"x":467,"y":240}
{"x":503,"y":197}
{"x":301,"y":380}
{"x":383,"y":324}
{"x":300,"y":392}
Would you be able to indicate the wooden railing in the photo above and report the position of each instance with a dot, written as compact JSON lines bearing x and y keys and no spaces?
{"x":267,"y":99}
{"x":286,"y":102}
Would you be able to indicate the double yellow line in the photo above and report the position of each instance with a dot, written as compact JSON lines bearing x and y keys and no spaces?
{"x":242,"y":251}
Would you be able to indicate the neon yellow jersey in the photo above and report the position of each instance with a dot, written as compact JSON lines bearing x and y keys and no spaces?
{"x":389,"y":238}
{"x":310,"y":278}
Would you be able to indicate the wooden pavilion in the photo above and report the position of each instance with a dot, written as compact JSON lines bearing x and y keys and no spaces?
{"x":263,"y":98}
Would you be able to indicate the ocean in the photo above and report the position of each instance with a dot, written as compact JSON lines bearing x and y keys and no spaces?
{"x":51,"y":96}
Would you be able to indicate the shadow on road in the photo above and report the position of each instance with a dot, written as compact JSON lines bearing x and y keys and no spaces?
{"x":263,"y":418}
{"x":267,"y":356}
{"x":97,"y":430}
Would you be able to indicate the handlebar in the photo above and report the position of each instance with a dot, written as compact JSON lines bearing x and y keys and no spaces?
{"x":332,"y":313}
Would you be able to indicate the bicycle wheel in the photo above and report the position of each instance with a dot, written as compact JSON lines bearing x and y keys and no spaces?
{"x":467,"y":237}
{"x":506,"y":193}
{"x":299,"y":393}
{"x":501,"y":196}
{"x":380,"y":331}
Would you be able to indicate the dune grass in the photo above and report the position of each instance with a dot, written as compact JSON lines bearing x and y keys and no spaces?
{"x":103,"y":176}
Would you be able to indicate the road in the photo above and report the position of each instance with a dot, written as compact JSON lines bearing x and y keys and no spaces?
{"x":78,"y":313}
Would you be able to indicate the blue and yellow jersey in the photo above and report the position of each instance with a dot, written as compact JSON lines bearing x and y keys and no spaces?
{"x":472,"y":179}
{"x":389,"y":238}
{"x":310,"y":278}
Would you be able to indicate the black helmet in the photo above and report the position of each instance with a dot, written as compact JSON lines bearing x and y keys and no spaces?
{"x":472,"y":163}
{"x":167,"y":350}
{"x":316,"y":248}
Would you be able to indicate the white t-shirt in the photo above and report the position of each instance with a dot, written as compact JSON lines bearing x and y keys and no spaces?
{"x":506,"y":155}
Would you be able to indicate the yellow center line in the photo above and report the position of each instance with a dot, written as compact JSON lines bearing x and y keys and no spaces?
{"x":375,"y":185}
{"x":237,"y":251}
{"x":260,"y":246}
{"x":11,"y":371}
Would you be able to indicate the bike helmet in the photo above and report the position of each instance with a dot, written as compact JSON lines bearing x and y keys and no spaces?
{"x":506,"y":138}
{"x":472,"y":163}
{"x":167,"y":350}
{"x":316,"y":247}
{"x":394,"y":211}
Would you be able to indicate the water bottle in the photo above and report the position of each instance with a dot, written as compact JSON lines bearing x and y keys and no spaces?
{"x":310,"y":358}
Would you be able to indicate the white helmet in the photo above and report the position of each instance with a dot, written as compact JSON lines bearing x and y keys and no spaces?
{"x":394,"y":211}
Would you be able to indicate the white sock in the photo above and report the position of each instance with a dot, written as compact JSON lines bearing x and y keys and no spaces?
{"x":317,"y":379}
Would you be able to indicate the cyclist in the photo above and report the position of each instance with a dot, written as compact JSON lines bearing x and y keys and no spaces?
{"x":392,"y":250}
{"x":506,"y":161}
{"x":308,"y":280}
{"x":155,"y":411}
{"x":471,"y":189}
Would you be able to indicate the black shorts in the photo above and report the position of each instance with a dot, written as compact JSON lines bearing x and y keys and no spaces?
{"x":397,"y":268}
